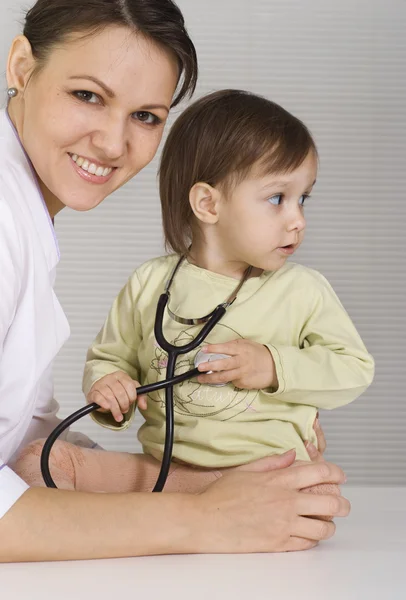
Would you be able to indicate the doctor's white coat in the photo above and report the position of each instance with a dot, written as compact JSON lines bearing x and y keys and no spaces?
{"x":33,"y":326}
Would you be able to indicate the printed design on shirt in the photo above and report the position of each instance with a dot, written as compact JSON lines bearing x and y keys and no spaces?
{"x":195,"y":399}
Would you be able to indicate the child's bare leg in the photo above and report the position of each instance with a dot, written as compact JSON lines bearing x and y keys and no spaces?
{"x":27,"y":465}
{"x":83,"y":469}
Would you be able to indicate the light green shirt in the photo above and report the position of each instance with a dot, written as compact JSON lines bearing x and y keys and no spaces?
{"x":320,"y":359}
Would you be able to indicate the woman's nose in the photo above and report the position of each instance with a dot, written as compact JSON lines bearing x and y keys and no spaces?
{"x":111,"y":139}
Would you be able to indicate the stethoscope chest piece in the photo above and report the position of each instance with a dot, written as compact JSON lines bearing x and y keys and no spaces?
{"x":202,"y":357}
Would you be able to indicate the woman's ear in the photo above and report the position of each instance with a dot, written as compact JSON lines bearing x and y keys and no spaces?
{"x":20,"y":64}
{"x":204,"y":200}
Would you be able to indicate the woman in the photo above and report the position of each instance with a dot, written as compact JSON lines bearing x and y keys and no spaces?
{"x":90,"y":89}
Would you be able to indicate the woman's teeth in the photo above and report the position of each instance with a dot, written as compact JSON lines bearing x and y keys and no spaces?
{"x":91,"y":168}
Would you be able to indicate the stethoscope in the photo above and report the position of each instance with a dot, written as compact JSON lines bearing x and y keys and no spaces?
{"x":209,"y":322}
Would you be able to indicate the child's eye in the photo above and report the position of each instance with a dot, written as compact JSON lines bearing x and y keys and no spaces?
{"x":88,"y":97}
{"x":147,"y":117}
{"x":276,"y":200}
{"x":303,"y":199}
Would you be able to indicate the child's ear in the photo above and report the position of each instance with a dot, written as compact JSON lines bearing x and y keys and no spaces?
{"x":204,"y":201}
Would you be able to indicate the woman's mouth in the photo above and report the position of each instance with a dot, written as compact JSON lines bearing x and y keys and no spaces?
{"x":91,"y":171}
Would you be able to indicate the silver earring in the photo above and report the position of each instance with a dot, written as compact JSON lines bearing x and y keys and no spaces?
{"x":12,"y":92}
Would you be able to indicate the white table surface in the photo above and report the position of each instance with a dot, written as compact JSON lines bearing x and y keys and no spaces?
{"x":366,"y":560}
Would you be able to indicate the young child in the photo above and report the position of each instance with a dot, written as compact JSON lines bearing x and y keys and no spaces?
{"x":236,"y":172}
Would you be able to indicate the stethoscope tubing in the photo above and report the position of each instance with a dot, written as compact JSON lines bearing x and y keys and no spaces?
{"x":86,"y":410}
{"x":168,"y":384}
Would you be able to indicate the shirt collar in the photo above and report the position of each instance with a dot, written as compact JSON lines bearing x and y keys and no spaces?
{"x":34,"y":201}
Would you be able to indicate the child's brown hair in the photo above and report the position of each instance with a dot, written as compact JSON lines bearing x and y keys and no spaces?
{"x":218,"y":140}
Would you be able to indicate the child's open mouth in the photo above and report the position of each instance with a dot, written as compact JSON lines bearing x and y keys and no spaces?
{"x":289,"y":249}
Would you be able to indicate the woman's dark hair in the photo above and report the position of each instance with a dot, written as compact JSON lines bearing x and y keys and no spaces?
{"x":50,"y":22}
{"x":218,"y":140}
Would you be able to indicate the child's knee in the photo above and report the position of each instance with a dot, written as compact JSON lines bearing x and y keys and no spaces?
{"x":28,"y":463}
{"x":29,"y":455}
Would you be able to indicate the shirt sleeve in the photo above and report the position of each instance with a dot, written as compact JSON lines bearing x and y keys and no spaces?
{"x":116,"y":348}
{"x":11,"y":488}
{"x":331,"y":366}
{"x":9,"y":279}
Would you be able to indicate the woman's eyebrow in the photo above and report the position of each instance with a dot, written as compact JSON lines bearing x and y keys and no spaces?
{"x":154,"y":107}
{"x":111,"y":94}
{"x":105,"y":87}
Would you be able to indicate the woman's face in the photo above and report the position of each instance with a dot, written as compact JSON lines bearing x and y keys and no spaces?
{"x":93,"y":117}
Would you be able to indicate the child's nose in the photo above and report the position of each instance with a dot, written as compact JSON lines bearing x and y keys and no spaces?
{"x":297,"y":220}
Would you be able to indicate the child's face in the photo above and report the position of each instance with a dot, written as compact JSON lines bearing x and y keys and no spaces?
{"x":261,"y":223}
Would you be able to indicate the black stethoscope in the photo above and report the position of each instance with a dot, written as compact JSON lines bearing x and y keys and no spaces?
{"x":209,"y":322}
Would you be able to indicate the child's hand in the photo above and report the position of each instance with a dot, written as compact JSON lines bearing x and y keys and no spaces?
{"x":321,"y":440}
{"x":115,"y":393}
{"x":249,"y":367}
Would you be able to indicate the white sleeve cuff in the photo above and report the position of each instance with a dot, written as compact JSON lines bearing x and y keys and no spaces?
{"x":11,"y":488}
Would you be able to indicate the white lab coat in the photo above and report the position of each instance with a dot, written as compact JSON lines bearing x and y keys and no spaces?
{"x":33,"y":326}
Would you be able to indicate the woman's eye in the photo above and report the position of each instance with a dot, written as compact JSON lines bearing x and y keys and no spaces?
{"x":275,"y":200}
{"x":88,"y":97}
{"x":147,"y":118}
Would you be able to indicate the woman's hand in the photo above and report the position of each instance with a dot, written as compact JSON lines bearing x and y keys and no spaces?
{"x":250,"y":366}
{"x":268,"y":512}
{"x":116,"y":393}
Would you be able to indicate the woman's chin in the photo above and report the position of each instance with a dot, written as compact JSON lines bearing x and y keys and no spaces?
{"x":83,"y":205}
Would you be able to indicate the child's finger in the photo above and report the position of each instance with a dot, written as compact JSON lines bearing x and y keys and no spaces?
{"x":120,"y":395}
{"x":107,"y":405}
{"x":226,"y":348}
{"x":321,"y":440}
{"x":220,"y":377}
{"x":113,"y":405}
{"x":142,"y":402}
{"x":107,"y":394}
{"x":99,"y":399}
{"x":223,"y":364}
{"x":130,"y":387}
{"x":314,"y":454}
{"x":115,"y":410}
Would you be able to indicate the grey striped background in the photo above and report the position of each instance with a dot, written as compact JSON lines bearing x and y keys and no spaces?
{"x":340,"y":66}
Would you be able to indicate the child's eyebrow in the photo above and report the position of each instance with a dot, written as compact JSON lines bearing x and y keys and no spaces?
{"x":275,"y":184}
{"x":281,"y":183}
